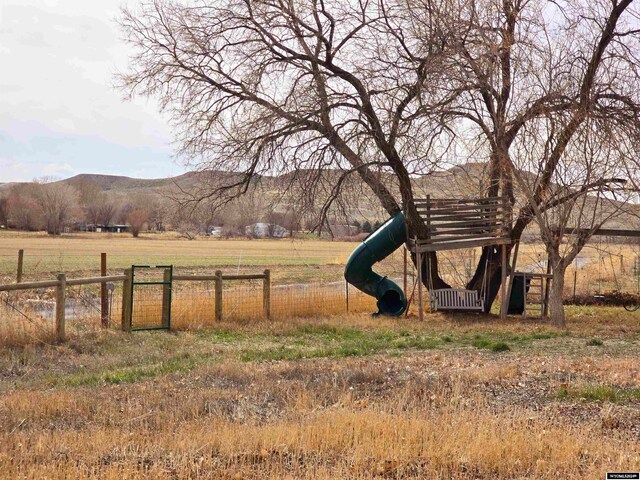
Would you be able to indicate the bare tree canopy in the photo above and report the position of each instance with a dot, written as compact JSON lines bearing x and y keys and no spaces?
{"x":56,"y":204}
{"x":258,"y":87}
{"x":393,"y":89}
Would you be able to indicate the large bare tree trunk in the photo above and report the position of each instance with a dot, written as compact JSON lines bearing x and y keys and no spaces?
{"x":491,"y":280}
{"x":556,"y":308}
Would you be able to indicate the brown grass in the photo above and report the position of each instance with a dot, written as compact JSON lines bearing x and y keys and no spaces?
{"x":331,"y":396}
{"x":103,"y":406}
{"x":19,"y":328}
{"x":418,"y":430}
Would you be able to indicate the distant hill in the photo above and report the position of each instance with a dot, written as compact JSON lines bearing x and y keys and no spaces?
{"x":117,"y":183}
{"x":360,"y":203}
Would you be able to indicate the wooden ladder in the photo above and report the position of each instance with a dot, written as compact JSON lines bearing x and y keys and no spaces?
{"x":534,"y":297}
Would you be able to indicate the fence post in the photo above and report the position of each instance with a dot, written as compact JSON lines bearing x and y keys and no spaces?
{"x":60,"y":306}
{"x":346,"y":293}
{"x":104,"y":304}
{"x":218,"y":295}
{"x":127,"y":300}
{"x":266,"y":294}
{"x":166,"y":299}
{"x":504,"y":299}
{"x":20,"y":265}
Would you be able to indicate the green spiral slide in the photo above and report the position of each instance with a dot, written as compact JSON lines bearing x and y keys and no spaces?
{"x":377,"y":246}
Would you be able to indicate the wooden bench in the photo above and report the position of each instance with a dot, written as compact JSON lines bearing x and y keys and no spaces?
{"x":456,"y":299}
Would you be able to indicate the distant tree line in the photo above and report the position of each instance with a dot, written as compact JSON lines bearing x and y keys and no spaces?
{"x":56,"y":207}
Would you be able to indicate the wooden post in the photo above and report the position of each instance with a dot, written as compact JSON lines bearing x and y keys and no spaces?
{"x":60,"y":306}
{"x":419,"y":263}
{"x":524,"y":296}
{"x":20,"y":265}
{"x":404,"y":270}
{"x":266,"y":294}
{"x":104,"y":299}
{"x":622,"y":263}
{"x":503,"y":284}
{"x":218,"y":295}
{"x":419,"y":267}
{"x":346,"y":292}
{"x":166,"y":299}
{"x":512,"y":271}
{"x":545,"y":309}
{"x":127,"y":300}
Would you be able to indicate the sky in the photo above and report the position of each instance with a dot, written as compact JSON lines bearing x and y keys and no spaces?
{"x":60,"y":114}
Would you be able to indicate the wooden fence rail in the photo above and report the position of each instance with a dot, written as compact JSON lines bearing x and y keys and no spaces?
{"x":61,"y":283}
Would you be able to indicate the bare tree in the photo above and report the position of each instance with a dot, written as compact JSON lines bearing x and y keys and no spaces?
{"x":88,"y":193}
{"x":4,"y":211}
{"x":580,"y":199}
{"x":386,"y":90}
{"x":348,"y":75}
{"x":101,"y":209}
{"x":531,"y":75}
{"x":136,"y":219}
{"x":57,"y":203}
{"x":107,"y":210}
{"x":159,"y":209}
{"x":22,"y":208}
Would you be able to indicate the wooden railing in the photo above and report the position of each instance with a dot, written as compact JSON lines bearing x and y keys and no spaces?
{"x":60,"y":284}
{"x":462,"y":220}
{"x":451,"y":219}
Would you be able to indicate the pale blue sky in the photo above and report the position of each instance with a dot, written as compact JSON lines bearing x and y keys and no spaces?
{"x":59,"y":113}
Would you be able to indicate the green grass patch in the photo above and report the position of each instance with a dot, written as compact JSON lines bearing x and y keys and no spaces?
{"x":330,"y":332}
{"x":595,"y":342}
{"x":222,"y":336}
{"x":494,"y":346}
{"x":338,"y":341}
{"x":181,"y":363}
{"x":332,"y":342}
{"x":481,"y":343}
{"x":500,"y":347}
{"x":599,"y":393}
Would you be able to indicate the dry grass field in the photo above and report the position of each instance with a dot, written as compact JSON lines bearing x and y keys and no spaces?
{"x":316,"y":392}
{"x":334,"y":397}
{"x":602,"y":266}
{"x":80,"y":253}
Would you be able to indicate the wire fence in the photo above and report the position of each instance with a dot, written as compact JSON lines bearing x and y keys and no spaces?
{"x":194,"y":303}
{"x":27,"y":316}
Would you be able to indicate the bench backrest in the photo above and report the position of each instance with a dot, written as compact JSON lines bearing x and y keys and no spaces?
{"x":455,"y":299}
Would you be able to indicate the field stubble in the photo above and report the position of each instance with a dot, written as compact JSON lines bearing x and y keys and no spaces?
{"x":337,"y":397}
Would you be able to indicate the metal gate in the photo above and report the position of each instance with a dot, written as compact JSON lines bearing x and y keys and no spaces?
{"x":151,"y":297}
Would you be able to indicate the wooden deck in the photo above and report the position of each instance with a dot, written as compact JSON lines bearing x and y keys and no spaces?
{"x":467,"y":223}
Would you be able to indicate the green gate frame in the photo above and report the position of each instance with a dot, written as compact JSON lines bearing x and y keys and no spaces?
{"x":167,"y":282}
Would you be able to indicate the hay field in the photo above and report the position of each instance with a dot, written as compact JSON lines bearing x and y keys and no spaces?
{"x":301,"y":259}
{"x":80,"y":253}
{"x":329,"y":398}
